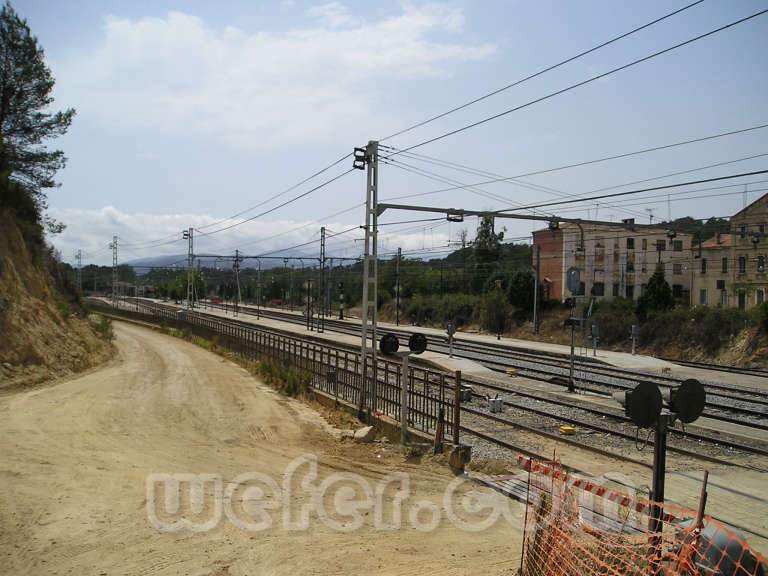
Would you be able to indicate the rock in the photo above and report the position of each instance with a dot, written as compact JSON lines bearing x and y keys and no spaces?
{"x":8,"y":366}
{"x":366,"y":434}
{"x":460,"y":457}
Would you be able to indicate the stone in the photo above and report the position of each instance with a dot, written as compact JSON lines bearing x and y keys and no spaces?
{"x":459,"y":458}
{"x":366,"y":434}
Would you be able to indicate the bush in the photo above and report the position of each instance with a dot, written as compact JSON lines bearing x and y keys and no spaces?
{"x":288,"y":380}
{"x":709,"y":328}
{"x":614,"y":320}
{"x":495,"y":309}
{"x":434,"y":309}
{"x":103,"y":326}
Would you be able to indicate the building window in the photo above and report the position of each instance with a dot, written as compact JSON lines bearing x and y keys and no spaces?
{"x":703,"y":265}
{"x":725,"y":265}
{"x":598,"y":289}
{"x":759,"y":296}
{"x":724,"y":298}
{"x":677,"y":290}
{"x":762,"y":229}
{"x":743,"y":232}
{"x":630,"y":267}
{"x":677,"y":269}
{"x":703,"y":296}
{"x":761,"y":263}
{"x":645,"y":243}
{"x":721,"y":284}
{"x":661,"y":245}
{"x":630,"y":243}
{"x":615,"y":289}
{"x":630,"y":292}
{"x":582,"y":288}
{"x":742,"y":265}
{"x":677,"y":245}
{"x":742,"y":300}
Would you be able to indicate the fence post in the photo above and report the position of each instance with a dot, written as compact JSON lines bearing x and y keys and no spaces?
{"x":456,"y":407}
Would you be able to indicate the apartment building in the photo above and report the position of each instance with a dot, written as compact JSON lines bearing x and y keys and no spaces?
{"x":613,"y":260}
{"x":731,"y":268}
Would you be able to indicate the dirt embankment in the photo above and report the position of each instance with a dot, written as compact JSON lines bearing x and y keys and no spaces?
{"x":41,"y":336}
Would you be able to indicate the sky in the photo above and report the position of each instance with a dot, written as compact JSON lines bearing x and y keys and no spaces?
{"x":191,"y":112}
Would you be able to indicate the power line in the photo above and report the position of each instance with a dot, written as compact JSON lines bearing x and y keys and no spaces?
{"x":304,"y":181}
{"x":615,"y":194}
{"x":273,"y":209}
{"x":540,"y":72}
{"x":584,"y":82}
{"x":590,"y":162}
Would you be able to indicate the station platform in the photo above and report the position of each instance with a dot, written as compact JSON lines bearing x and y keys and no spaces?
{"x":624,"y":360}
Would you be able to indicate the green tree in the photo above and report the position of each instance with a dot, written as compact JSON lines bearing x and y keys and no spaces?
{"x":26,"y":123}
{"x":487,"y":241}
{"x":522,"y":285}
{"x":495,"y":311}
{"x":657,"y":296}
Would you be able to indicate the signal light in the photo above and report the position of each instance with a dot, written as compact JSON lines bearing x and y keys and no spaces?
{"x":389,"y":344}
{"x":417,"y":343}
{"x":687,"y":400}
{"x":642,"y":404}
{"x":359,"y":160}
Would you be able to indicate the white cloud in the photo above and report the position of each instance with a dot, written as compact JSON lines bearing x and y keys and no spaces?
{"x":92,"y":230}
{"x":258,"y":88}
{"x":333,"y":14}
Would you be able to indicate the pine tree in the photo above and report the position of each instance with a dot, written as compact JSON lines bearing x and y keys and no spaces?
{"x":657,"y":296}
{"x":25,"y":120}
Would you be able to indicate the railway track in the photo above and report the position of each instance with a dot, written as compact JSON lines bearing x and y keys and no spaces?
{"x":599,"y":430}
{"x":733,"y":404}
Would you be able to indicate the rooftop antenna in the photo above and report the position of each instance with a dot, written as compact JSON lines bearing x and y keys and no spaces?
{"x":650,"y":214}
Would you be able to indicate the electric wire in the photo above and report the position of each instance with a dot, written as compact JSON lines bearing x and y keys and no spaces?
{"x":540,"y":72}
{"x":585,"y":82}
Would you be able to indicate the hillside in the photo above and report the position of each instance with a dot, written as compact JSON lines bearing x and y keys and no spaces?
{"x":45,"y":334}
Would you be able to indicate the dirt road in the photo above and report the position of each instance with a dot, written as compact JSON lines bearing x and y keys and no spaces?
{"x":75,"y":458}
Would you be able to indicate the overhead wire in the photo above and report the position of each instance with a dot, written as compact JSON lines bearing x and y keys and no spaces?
{"x":281,"y":205}
{"x":276,"y":196}
{"x":584,"y":82}
{"x":591,"y":162}
{"x":630,"y":192}
{"x":541,"y":72}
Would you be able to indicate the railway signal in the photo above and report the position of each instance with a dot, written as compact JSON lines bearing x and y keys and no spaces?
{"x":389,"y":346}
{"x":644,"y":405}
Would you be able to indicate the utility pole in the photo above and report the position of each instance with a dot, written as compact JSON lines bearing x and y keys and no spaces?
{"x":308,"y":286}
{"x":536,"y":291}
{"x":188,"y":235}
{"x":368,"y":157}
{"x":114,"y":270}
{"x":258,"y":293}
{"x":329,"y":284}
{"x":290,"y":288}
{"x":321,"y":287}
{"x":238,"y":295}
{"x":397,"y":286}
{"x":79,"y":259}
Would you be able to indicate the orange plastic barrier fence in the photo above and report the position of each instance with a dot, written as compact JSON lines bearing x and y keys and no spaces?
{"x":576,"y":528}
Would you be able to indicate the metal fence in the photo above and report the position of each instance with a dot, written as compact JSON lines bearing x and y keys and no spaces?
{"x":333,"y":369}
